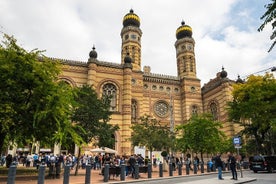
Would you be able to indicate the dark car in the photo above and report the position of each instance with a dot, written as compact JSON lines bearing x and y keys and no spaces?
{"x":262,"y":163}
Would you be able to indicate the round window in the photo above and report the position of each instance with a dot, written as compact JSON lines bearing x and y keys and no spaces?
{"x":161,"y":108}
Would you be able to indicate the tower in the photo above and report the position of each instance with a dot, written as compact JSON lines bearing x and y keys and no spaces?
{"x":131,"y":39}
{"x":191,"y":101}
{"x":185,"y":55}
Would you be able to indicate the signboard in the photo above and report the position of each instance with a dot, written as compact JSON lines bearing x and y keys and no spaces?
{"x":237,"y":142}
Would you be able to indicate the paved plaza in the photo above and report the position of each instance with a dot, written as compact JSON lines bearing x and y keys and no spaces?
{"x":97,"y":178}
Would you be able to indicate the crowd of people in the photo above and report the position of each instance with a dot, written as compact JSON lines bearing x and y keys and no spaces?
{"x":97,"y":161}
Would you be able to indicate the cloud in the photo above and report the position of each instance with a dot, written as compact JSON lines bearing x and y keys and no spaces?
{"x":225,"y":31}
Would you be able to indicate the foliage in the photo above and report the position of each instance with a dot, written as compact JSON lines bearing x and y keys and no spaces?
{"x":254,"y":107}
{"x":270,"y":17}
{"x":201,"y":135}
{"x":91,"y":115}
{"x":104,"y":135}
{"x":34,"y":105}
{"x":151,"y":134}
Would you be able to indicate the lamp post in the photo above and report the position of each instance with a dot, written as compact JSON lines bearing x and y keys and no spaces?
{"x":171,"y":124}
{"x":171,"y":115}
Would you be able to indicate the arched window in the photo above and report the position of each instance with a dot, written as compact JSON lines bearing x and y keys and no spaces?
{"x":185,"y":67}
{"x":191,"y":65}
{"x":110,"y":91}
{"x":134,"y":113}
{"x":214,"y":110}
{"x":194,"y":110}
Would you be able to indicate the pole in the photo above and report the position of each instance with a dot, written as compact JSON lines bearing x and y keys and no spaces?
{"x":239,"y":162}
{"x":11,"y":174}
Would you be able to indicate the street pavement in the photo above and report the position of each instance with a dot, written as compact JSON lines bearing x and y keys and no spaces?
{"x":97,"y":178}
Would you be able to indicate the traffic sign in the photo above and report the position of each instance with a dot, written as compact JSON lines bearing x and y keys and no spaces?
{"x":237,"y":140}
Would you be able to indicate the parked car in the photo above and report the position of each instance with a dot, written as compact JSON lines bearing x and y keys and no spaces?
{"x":262,"y":163}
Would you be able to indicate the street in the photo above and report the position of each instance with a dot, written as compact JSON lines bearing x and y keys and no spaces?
{"x":261,"y":178}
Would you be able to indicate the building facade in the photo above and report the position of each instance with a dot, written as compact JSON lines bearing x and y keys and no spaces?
{"x":136,"y":91}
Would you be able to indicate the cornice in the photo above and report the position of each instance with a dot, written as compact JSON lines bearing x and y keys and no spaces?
{"x":160,"y":78}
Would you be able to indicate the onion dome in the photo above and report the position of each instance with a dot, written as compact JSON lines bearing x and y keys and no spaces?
{"x":131,"y":19}
{"x":239,"y":80}
{"x":223,"y":73}
{"x":128,"y":59}
{"x":184,"y":31}
{"x":93,"y":54}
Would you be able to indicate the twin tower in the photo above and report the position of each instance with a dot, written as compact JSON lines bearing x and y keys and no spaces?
{"x":131,"y":44}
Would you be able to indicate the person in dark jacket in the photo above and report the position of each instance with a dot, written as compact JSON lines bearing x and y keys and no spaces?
{"x":8,"y":160}
{"x":219,"y":164}
{"x":232,"y":162}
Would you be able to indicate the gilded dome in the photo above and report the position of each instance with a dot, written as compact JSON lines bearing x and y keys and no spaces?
{"x":131,"y":19}
{"x":184,"y":31}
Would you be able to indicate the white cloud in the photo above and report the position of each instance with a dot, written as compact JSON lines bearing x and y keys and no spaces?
{"x":224,"y":34}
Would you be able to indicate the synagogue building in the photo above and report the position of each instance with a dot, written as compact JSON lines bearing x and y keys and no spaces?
{"x":136,"y":91}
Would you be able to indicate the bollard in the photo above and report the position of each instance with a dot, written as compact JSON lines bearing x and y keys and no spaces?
{"x":195,"y":168}
{"x":179,"y":169}
{"x":136,"y":171}
{"x":123,"y":172}
{"x":11,"y":174}
{"x":66,"y":174}
{"x":87,"y":174}
{"x":160,"y":169}
{"x":149,"y":170}
{"x":106,"y":172}
{"x":41,"y":174}
{"x":202,"y":167}
{"x":58,"y":170}
{"x":187,"y":168}
{"x":52,"y":170}
{"x":170,"y":169}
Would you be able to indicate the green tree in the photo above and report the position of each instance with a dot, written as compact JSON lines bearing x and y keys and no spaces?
{"x":91,"y":116}
{"x":151,"y":134}
{"x":269,"y":17}
{"x":34,"y":105}
{"x":254,"y":107}
{"x":201,"y":135}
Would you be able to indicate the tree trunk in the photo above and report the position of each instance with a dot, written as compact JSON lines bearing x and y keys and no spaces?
{"x":78,"y":162}
{"x":2,"y":138}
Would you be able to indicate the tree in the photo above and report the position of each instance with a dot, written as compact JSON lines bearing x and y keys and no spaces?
{"x":254,"y":107}
{"x":91,"y":116}
{"x":34,"y":105}
{"x":201,"y":135}
{"x":269,"y":17}
{"x":151,"y":134}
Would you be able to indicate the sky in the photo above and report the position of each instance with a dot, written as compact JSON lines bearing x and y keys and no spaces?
{"x":225,"y":32}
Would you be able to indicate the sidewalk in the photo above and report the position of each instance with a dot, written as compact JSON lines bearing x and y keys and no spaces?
{"x":96,"y":178}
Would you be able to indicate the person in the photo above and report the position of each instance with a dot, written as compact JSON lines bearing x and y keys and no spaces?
{"x":132,"y":162}
{"x":219,"y":164}
{"x":232,"y":163}
{"x":210,"y":165}
{"x":8,"y":160}
{"x":196,"y":162}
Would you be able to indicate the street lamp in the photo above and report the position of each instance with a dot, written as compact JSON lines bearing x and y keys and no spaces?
{"x":273,"y":69}
{"x":171,"y":115}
